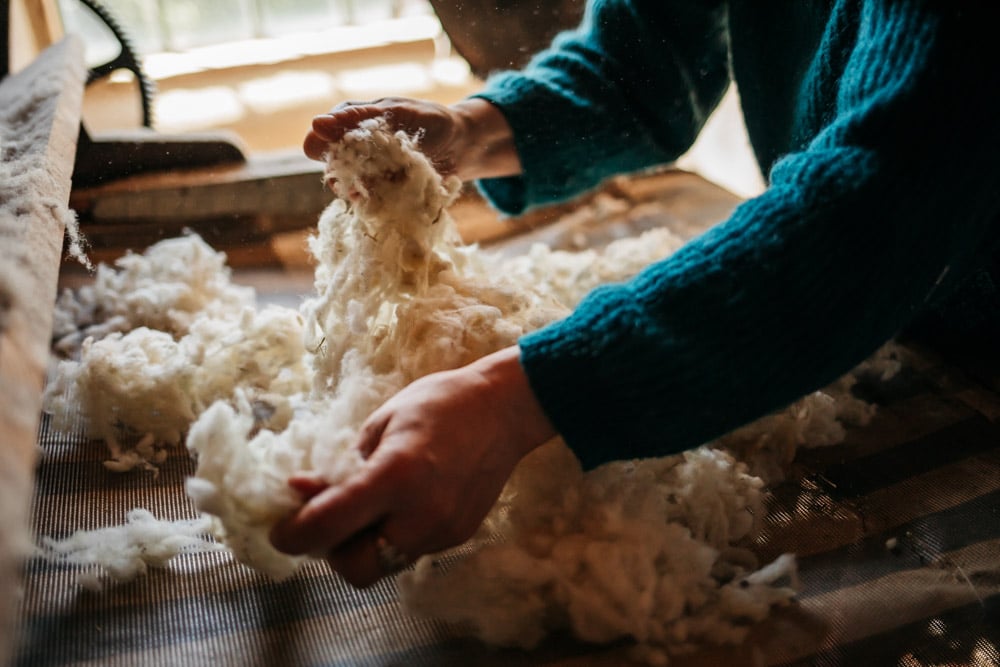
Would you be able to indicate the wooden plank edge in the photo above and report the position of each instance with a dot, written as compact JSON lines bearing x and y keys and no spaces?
{"x":43,"y":101}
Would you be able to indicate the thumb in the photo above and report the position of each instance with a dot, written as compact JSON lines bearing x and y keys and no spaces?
{"x":307,"y":485}
{"x":371,"y":432}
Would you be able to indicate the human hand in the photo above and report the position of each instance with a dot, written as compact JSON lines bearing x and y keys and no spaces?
{"x":437,"y":455}
{"x":470,"y":139}
{"x":440,"y":129}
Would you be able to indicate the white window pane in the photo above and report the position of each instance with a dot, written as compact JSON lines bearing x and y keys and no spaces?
{"x":366,"y":11}
{"x":100,"y":45}
{"x":279,"y":17}
{"x":142,"y":21}
{"x":192,"y":23}
{"x":414,"y":8}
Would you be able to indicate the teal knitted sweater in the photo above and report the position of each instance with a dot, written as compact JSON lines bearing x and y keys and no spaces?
{"x":874,"y":122}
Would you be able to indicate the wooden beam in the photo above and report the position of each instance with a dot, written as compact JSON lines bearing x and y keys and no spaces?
{"x":276,"y":200}
{"x":231,"y":206}
{"x":39,"y":123}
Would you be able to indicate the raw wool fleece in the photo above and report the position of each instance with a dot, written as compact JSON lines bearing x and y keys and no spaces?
{"x":640,"y":550}
{"x":165,"y":288}
{"x":127,"y":551}
{"x":397,"y":297}
{"x":649,"y":550}
{"x":177,"y":336}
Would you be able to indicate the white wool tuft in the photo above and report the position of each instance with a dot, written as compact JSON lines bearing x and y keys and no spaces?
{"x":156,"y":385}
{"x":127,"y":551}
{"x":633,"y":550}
{"x":165,"y":288}
{"x":567,"y":277}
{"x":77,"y":246}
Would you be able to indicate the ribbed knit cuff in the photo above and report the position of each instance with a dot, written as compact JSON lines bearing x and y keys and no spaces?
{"x":549,"y":171}
{"x":560,"y":406}
{"x":589,"y":382}
{"x":565,"y":143}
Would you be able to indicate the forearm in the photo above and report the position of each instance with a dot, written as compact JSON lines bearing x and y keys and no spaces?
{"x":488,"y":141}
{"x":628,"y":89}
{"x":857,"y":234}
{"x":514,"y":399}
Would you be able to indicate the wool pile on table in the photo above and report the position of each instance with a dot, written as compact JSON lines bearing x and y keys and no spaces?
{"x":651,"y":550}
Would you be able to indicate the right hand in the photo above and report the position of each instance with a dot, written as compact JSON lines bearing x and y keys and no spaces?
{"x":437,"y":455}
{"x":470,"y":139}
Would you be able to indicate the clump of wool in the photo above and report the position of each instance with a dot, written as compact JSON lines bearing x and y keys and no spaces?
{"x":153,"y":383}
{"x":126,"y":551}
{"x":166,"y":288}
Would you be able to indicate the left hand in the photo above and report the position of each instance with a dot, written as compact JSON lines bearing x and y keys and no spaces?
{"x":438,"y":454}
{"x":470,"y":138}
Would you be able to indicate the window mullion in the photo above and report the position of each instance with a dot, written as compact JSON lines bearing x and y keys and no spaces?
{"x":163,"y":25}
{"x":256,"y":17}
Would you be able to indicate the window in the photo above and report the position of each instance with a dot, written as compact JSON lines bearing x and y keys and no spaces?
{"x":178,"y":25}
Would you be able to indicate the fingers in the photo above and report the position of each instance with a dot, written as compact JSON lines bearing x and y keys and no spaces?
{"x":368,"y":557}
{"x":330,"y":517}
{"x":401,"y":113}
{"x":363,"y":547}
{"x":315,"y":146}
{"x":399,"y":538}
{"x":358,"y":561}
{"x":344,"y":117}
{"x":308,"y":486}
{"x":376,"y":550}
{"x":331,"y":127}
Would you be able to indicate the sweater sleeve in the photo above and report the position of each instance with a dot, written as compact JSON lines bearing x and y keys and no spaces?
{"x":884,"y":210}
{"x":629,"y":88}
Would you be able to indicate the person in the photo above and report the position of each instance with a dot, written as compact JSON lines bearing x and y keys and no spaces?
{"x":874,"y":122}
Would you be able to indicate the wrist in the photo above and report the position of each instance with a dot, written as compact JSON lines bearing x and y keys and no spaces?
{"x":486,"y":145}
{"x":514,"y":400}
